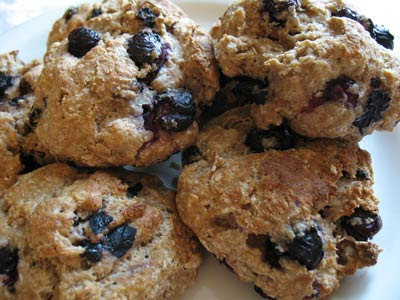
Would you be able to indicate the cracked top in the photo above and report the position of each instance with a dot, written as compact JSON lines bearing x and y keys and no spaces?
{"x":330,"y":71}
{"x":281,"y":210}
{"x":74,"y":234}
{"x":121,"y":83}
{"x":17,"y":84}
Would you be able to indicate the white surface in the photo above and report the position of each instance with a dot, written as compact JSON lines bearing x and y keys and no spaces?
{"x":215,"y":282}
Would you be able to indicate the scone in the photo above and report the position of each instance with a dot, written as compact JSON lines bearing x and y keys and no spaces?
{"x":17,"y":82}
{"x":290,"y":215}
{"x":100,"y":235}
{"x":318,"y":65}
{"x":122,"y":87}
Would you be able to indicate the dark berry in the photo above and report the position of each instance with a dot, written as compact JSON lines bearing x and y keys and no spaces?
{"x":34,"y":116}
{"x":93,"y":252}
{"x":307,"y":249}
{"x":69,"y":13}
{"x":277,"y":10}
{"x":261,"y":293}
{"x":147,"y":16}
{"x":98,"y":223}
{"x":272,"y":254}
{"x":376,"y":82}
{"x":191,"y":155}
{"x":82,"y":40}
{"x":95,"y":13}
{"x":15,"y":101}
{"x":362,"y":225}
{"x":5,"y":82}
{"x":120,"y":240}
{"x":269,"y":250}
{"x":145,"y":47}
{"x":24,"y":87}
{"x":9,"y":267}
{"x":174,"y":110}
{"x":338,"y":90}
{"x":348,"y":13}
{"x":377,"y":104}
{"x":134,"y":190}
{"x":175,"y":121}
{"x":249,"y":90}
{"x":379,"y":33}
{"x":158,"y":64}
{"x":277,"y":137}
{"x":362,"y":175}
{"x":383,"y":37}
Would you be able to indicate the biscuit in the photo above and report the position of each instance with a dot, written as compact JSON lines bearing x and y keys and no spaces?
{"x":95,"y":235}
{"x":281,"y":210}
{"x":122,"y":87}
{"x":318,"y":65}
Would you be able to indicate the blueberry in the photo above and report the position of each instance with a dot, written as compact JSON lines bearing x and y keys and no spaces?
{"x":338,"y":90}
{"x":147,"y":16}
{"x":362,"y":225}
{"x":95,"y":13}
{"x":120,"y":240}
{"x":277,"y":137}
{"x":145,"y":47}
{"x":69,"y":13}
{"x":270,"y":251}
{"x":93,"y":252}
{"x":34,"y":116}
{"x":98,"y":223}
{"x":249,"y":90}
{"x":15,"y":101}
{"x":24,"y":87}
{"x":383,"y":37}
{"x":379,"y":33}
{"x":272,"y":254}
{"x":276,"y":9}
{"x":376,"y":82}
{"x":377,"y":104}
{"x":9,"y":267}
{"x":82,"y":40}
{"x":174,"y":110}
{"x":362,"y":175}
{"x":175,"y":121}
{"x":133,"y":191}
{"x":158,"y":64}
{"x":348,"y":13}
{"x":5,"y":82}
{"x":307,"y":249}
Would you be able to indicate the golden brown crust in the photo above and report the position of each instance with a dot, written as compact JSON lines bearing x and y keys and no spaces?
{"x":230,"y":196}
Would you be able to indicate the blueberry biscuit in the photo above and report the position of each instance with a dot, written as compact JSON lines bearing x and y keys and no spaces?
{"x":282,"y":211}
{"x":99,"y":235}
{"x":17,"y":82}
{"x":123,"y":86}
{"x":318,"y":65}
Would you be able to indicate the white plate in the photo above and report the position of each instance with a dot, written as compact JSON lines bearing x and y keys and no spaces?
{"x":215,"y":282}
